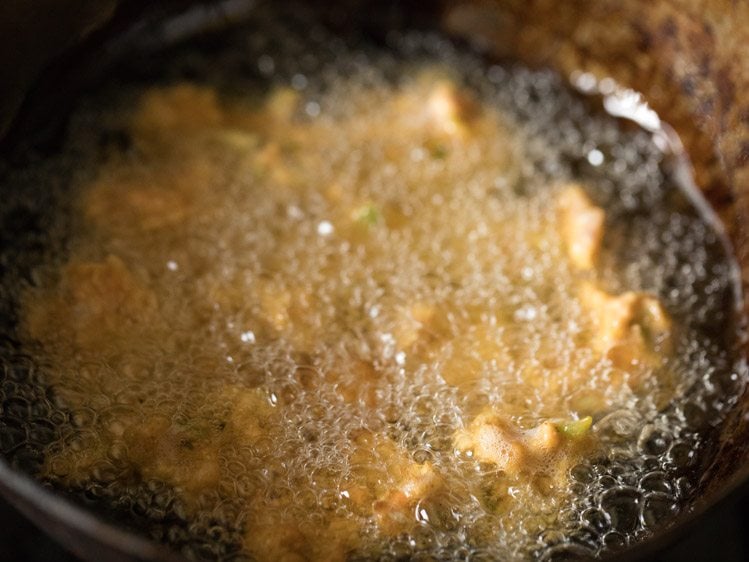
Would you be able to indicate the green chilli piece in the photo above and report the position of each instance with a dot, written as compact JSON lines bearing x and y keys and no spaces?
{"x":367,"y":214}
{"x":575,"y":429}
{"x":439,"y":152}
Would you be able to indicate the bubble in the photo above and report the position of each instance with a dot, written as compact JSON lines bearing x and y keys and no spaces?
{"x":567,"y":552}
{"x":657,"y":508}
{"x":681,"y":455}
{"x":265,"y":64}
{"x":614,"y":540}
{"x":652,"y":441}
{"x":325,"y":228}
{"x":595,"y":157}
{"x":299,"y":81}
{"x":621,"y":506}
{"x":656,"y":481}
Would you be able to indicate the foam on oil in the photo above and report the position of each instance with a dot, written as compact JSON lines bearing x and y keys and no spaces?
{"x":266,"y":327}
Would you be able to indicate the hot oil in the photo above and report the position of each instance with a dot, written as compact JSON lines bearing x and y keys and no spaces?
{"x":267,"y":331}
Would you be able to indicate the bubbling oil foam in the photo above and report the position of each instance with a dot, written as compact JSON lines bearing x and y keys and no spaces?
{"x":644,"y":471}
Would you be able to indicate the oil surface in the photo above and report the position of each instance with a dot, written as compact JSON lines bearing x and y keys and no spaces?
{"x":293,"y":272}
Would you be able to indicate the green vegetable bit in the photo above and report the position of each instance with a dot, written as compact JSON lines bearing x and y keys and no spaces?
{"x":439,"y":152}
{"x":367,"y":214}
{"x":575,"y":429}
